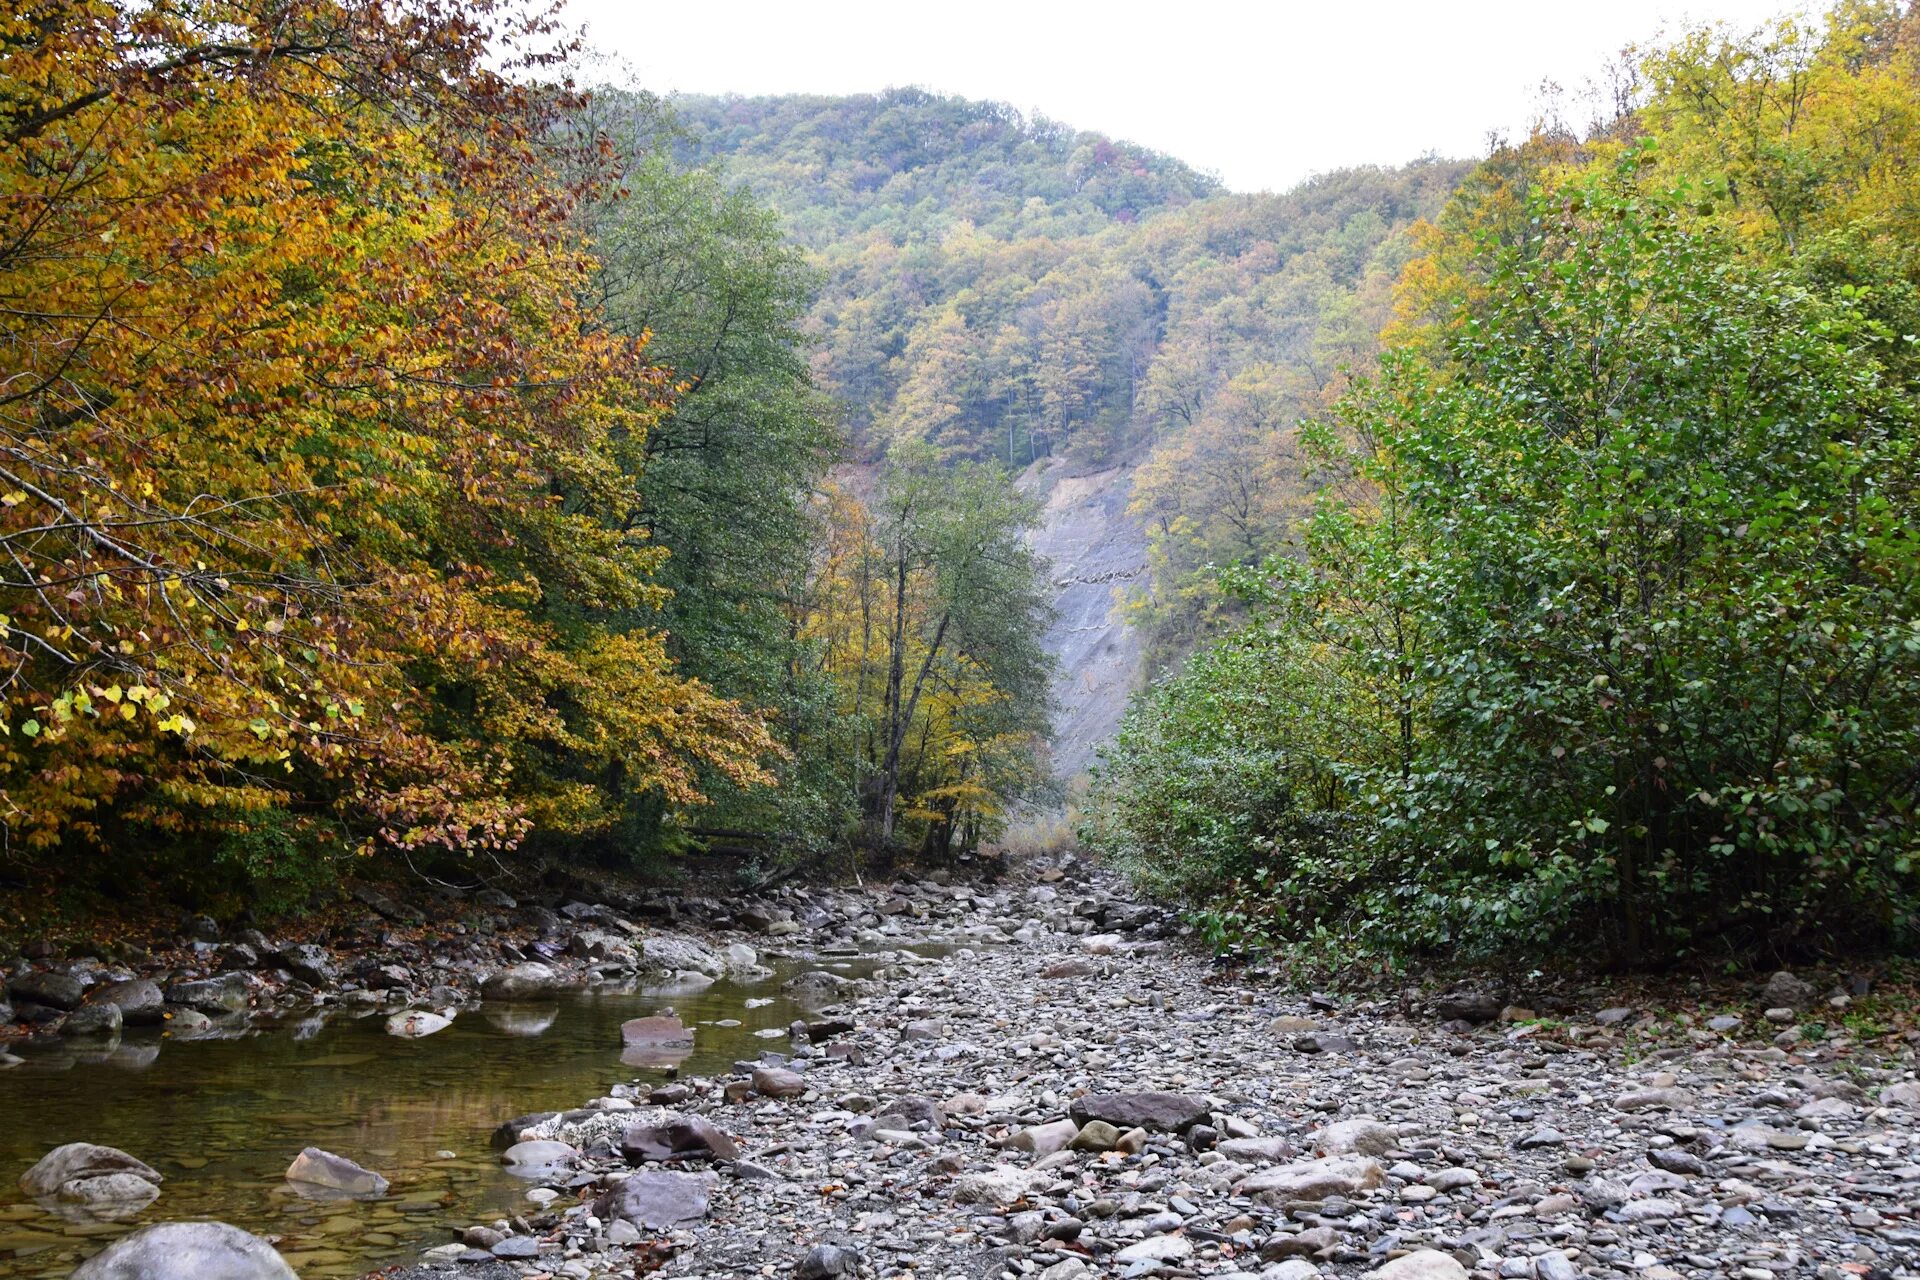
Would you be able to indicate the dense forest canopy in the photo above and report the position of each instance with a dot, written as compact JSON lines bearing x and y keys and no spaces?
{"x":406,"y":456}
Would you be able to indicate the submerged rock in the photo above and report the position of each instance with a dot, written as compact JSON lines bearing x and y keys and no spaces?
{"x":327,"y":1171}
{"x":415,"y":1024}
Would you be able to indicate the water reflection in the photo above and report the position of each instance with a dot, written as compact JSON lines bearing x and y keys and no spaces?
{"x":223,"y":1114}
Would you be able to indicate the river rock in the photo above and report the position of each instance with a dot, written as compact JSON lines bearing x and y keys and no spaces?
{"x":52,"y":990}
{"x":1153,"y":1111}
{"x":187,"y":1251}
{"x":79,"y":1161}
{"x":316,"y":1168}
{"x":1651,"y":1099}
{"x":1362,"y":1135}
{"x":309,"y":963}
{"x":139,"y":1000}
{"x":656,"y":1033}
{"x":1785,"y":990}
{"x":656,"y":1199}
{"x":415,"y":1024}
{"x":818,"y":987}
{"x":1096,"y":1136}
{"x":678,"y":1138}
{"x":1042,"y":1140}
{"x":672,"y":953}
{"x":530,"y":980}
{"x":1421,"y":1264}
{"x":93,"y":1020}
{"x":538,"y":1157}
{"x":111,"y":1195}
{"x":1469,"y":1006}
{"x":1313,"y":1180}
{"x":214,"y":997}
{"x":827,"y":1262}
{"x":778,"y":1082}
{"x":1001,"y":1186}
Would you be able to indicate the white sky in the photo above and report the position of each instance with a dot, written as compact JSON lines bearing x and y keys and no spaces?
{"x":1263,"y":94}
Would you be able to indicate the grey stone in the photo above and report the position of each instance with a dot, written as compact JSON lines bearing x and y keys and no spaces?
{"x":139,"y":1000}
{"x":1789,"y":991}
{"x":53,"y":990}
{"x":656,"y":1199}
{"x":212,"y":996}
{"x":93,"y":1020}
{"x":1152,"y":1110}
{"x":187,"y":1251}
{"x":827,"y":1262}
{"x":79,"y":1161}
{"x":1313,"y":1180}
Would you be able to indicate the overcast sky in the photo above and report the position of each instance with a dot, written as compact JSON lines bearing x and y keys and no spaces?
{"x":1263,"y":94}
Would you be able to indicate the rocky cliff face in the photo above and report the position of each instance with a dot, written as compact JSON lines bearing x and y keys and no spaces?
{"x":1097,"y":552}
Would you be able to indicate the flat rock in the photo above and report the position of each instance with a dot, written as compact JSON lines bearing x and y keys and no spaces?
{"x":656,"y":1199}
{"x":1154,"y":1111}
{"x":1421,"y":1264}
{"x":1313,"y":1180}
{"x":678,"y":1138}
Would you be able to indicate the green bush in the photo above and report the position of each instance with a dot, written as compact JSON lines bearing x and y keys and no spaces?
{"x":1626,"y":586}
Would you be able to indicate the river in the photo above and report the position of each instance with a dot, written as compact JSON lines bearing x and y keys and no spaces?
{"x":223,"y":1117}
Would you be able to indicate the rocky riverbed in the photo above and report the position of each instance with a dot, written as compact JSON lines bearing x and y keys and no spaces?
{"x":1075,"y":1093}
{"x":1084,"y":1101}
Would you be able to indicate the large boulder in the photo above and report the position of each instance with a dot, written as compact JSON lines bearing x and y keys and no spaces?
{"x":214,"y":997}
{"x":78,"y":1162}
{"x":53,"y":990}
{"x":657,"y":1199}
{"x":187,"y":1251}
{"x":1153,"y":1111}
{"x":529,"y":981}
{"x":1313,"y":1180}
{"x":329,"y":1172}
{"x":138,"y":999}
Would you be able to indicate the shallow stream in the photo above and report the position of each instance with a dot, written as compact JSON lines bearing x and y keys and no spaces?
{"x":222,"y":1118}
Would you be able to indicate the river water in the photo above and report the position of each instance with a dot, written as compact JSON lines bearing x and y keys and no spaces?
{"x":222,"y":1118}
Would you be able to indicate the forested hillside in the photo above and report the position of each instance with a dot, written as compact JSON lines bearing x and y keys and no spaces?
{"x":1009,"y":290}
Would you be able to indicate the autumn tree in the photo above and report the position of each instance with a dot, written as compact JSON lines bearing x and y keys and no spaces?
{"x":309,"y":449}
